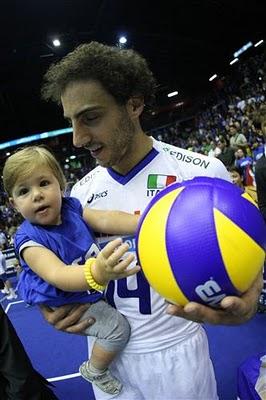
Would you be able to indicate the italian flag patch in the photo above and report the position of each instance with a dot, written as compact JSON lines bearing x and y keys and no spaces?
{"x":160,"y":181}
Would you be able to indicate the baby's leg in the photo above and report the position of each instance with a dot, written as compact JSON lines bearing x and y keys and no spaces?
{"x":112,"y":331}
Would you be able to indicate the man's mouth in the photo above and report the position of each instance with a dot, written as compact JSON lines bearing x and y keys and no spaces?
{"x":95,"y":150}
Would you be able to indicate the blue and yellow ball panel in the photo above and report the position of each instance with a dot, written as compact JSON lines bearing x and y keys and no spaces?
{"x":200,"y":240}
{"x":192,"y":246}
{"x":239,"y":252}
{"x":153,"y":257}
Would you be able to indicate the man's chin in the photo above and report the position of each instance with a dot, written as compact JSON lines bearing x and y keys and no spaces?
{"x":103,"y":163}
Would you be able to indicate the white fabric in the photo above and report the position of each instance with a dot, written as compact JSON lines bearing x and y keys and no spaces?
{"x":181,"y":372}
{"x":155,"y":331}
{"x":2,"y":263}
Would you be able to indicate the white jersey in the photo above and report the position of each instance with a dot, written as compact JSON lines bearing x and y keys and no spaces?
{"x":151,"y":328}
{"x":2,"y":263}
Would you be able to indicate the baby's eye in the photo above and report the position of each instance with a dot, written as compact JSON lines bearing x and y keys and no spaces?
{"x":22,"y":191}
{"x":45,"y":182}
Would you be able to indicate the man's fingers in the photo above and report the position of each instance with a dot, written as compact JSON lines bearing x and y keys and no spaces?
{"x":72,"y":318}
{"x":53,"y":316}
{"x":67,"y":317}
{"x":80,"y":327}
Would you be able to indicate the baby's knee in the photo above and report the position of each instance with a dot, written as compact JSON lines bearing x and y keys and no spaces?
{"x":117,"y":334}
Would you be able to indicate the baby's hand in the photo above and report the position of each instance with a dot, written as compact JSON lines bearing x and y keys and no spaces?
{"x":109,"y":265}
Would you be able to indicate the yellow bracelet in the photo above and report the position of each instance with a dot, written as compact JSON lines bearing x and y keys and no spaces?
{"x":89,"y":278}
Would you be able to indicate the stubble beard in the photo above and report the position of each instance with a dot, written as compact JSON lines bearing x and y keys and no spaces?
{"x":122,"y":145}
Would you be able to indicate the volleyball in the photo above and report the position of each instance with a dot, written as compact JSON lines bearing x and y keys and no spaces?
{"x":201,"y":240}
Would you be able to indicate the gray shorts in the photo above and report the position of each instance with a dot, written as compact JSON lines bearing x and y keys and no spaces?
{"x":111,"y":328}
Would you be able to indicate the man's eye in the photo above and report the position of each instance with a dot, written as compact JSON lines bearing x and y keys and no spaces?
{"x":90,"y":118}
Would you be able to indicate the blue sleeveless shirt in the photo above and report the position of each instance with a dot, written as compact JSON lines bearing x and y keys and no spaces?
{"x":72,"y":241}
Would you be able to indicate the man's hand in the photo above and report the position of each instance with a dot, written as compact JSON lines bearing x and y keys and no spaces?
{"x":66,"y":318}
{"x":233,"y":311}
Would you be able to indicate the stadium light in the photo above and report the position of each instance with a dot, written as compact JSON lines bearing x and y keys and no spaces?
{"x":122,"y":40}
{"x":234,"y":61}
{"x":56,"y":43}
{"x":212,"y":77}
{"x":172,"y":94}
{"x":258,"y":43}
{"x":37,"y":136}
{"x":242,"y":49}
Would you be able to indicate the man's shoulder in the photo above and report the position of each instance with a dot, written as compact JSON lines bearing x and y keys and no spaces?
{"x":193,"y":163}
{"x":87,"y":179}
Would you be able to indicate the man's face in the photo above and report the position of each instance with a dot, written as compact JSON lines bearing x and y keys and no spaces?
{"x":232,"y":130}
{"x":99,"y":123}
{"x":239,"y":153}
{"x":236,"y":178}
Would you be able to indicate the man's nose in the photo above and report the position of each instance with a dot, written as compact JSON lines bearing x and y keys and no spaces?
{"x":81,"y":136}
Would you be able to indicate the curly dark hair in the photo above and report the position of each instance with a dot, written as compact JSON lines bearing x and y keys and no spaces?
{"x":122,"y":73}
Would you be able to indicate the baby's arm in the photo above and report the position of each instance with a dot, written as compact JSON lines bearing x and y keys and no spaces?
{"x":70,"y":278}
{"x":111,"y":222}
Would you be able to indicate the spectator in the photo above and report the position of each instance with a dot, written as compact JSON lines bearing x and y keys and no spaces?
{"x":245,"y":163}
{"x":8,"y":289}
{"x":236,"y":138}
{"x":238,"y":179}
{"x":227,"y":155}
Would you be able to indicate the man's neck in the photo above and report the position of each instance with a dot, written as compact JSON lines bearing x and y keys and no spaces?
{"x":140,"y":148}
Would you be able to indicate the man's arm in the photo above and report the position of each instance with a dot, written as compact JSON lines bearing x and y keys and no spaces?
{"x":234,"y":310}
{"x":111,"y":222}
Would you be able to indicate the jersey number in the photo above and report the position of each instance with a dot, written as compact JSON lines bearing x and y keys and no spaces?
{"x":142,"y":292}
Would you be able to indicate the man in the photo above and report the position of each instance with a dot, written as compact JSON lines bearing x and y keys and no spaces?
{"x":260,"y":176}
{"x":237,"y":139}
{"x":103,"y":91}
{"x":227,"y":154}
{"x":18,"y":379}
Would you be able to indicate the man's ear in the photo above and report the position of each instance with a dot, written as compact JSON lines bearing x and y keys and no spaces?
{"x":135,"y":106}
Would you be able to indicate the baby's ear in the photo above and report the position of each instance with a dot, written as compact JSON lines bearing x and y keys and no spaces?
{"x":11,"y":202}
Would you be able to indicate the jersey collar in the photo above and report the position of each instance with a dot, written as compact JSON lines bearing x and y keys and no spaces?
{"x":123,"y":179}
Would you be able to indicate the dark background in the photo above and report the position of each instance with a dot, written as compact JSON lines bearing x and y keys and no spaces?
{"x":184,"y":41}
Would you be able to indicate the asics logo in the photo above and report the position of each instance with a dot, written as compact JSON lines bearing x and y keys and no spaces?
{"x":96,"y":196}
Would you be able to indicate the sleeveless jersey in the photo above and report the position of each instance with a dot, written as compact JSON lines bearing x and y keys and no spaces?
{"x":72,"y":241}
{"x":151,"y":328}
